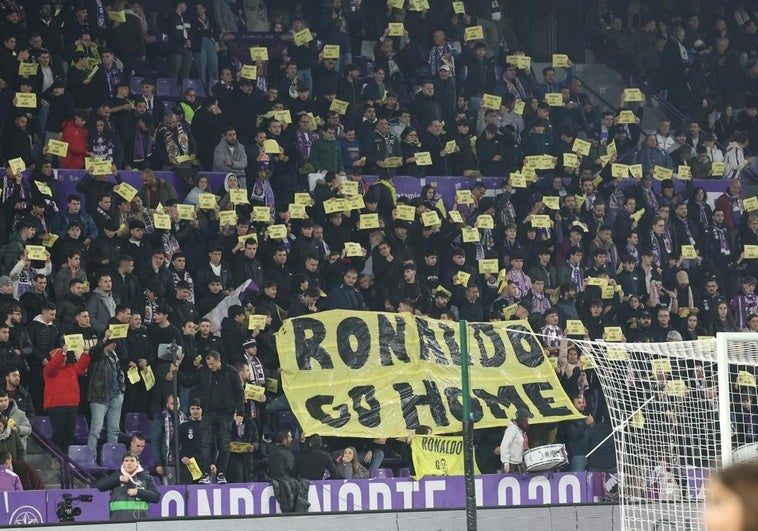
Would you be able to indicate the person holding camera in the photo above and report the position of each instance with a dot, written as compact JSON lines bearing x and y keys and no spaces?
{"x":62,"y":395}
{"x":132,"y":490}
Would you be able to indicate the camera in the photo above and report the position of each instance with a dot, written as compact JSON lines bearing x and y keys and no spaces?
{"x":65,"y":510}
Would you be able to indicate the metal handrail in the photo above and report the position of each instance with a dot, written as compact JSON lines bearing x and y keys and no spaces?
{"x":69,"y":469}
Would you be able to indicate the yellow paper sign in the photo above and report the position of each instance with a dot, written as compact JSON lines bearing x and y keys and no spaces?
{"x":553,"y":202}
{"x":661,"y":365}
{"x":627,"y":117}
{"x":27,"y":69}
{"x":510,"y":311}
{"x":296,"y":211}
{"x":450,"y":146}
{"x":541,"y":221}
{"x":491,"y":102}
{"x":396,"y":29}
{"x":613,"y":333}
{"x":125,"y":190}
{"x":249,"y":72}
{"x":102,"y":167}
{"x":462,"y":278}
{"x":349,"y":187}
{"x":473,"y":33}
{"x":660,"y":173}
{"x":470,"y":234}
{"x":133,"y":375}
{"x":522,"y":62}
{"x":638,"y":215}
{"x":259,"y":53}
{"x":368,"y":221}
{"x":331,"y":51}
{"x":118,"y":331}
{"x":423,"y":158}
{"x":353,"y":249}
{"x":49,"y":240}
{"x":36,"y":252}
{"x":302,"y":37}
{"x":633,"y":94}
{"x":256,"y":322}
{"x":354,"y":202}
{"x":117,"y":16}
{"x":254,"y":392}
{"x":26,"y":100}
{"x":206,"y":201}
{"x":582,"y":147}
{"x":185,"y":212}
{"x":561,"y":60}
{"x":43,"y":188}
{"x":518,"y":107}
{"x":518,"y":180}
{"x":393,"y":162}
{"x":607,"y":292}
{"x":617,"y":353}
{"x":227,"y":217}
{"x":271,"y":146}
{"x":430,"y":219}
{"x":194,"y":469}
{"x":635,"y":170}
{"x":17,"y":165}
{"x":339,"y":106}
{"x":57,"y":148}
{"x":162,"y":221}
{"x":303,"y":198}
{"x":463,"y":197}
{"x":272,"y":385}
{"x":717,"y":169}
{"x":459,"y":8}
{"x":688,"y":252}
{"x":456,"y":217}
{"x":570,"y":160}
{"x":676,"y":388}
{"x":683,"y":173}
{"x":751,"y":252}
{"x":610,"y":149}
{"x":619,"y":171}
{"x":418,"y":5}
{"x":405,"y":213}
{"x":746,"y":379}
{"x":334,"y":205}
{"x":277,"y":232}
{"x":484,"y":221}
{"x":574,"y":327}
{"x":750,"y":204}
{"x":554,"y":99}
{"x":489,"y":265}
{"x":238,"y":196}
{"x":284,"y":117}
{"x":181,"y":159}
{"x":74,"y":342}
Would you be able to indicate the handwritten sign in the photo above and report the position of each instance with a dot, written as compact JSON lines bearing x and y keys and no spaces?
{"x":36,"y":252}
{"x":302,"y":37}
{"x":125,"y":190}
{"x":489,"y":266}
{"x":162,"y":221}
{"x":463,"y":197}
{"x":74,"y":342}
{"x":613,"y":333}
{"x":17,"y":165}
{"x":574,"y":327}
{"x":339,"y":106}
{"x":485,"y":221}
{"x":27,"y":69}
{"x":206,"y":201}
{"x":26,"y":100}
{"x":683,"y":173}
{"x":368,"y":221}
{"x":561,"y":60}
{"x":689,"y":252}
{"x":582,"y":147}
{"x":627,"y":117}
{"x":331,"y":51}
{"x":473,"y":33}
{"x":423,"y":158}
{"x":249,"y":72}
{"x":118,"y":331}
{"x":57,"y":148}
{"x":455,"y":216}
{"x":353,"y":249}
{"x":661,"y":174}
{"x":430,"y":219}
{"x":554,"y":99}
{"x":303,"y":198}
{"x":259,"y":53}
{"x":405,"y":213}
{"x":277,"y":232}
{"x":633,"y":94}
{"x":256,"y":322}
{"x":185,"y":212}
{"x":227,"y":217}
{"x":553,"y":202}
{"x":396,"y":29}
{"x":470,"y":234}
{"x":491,"y":102}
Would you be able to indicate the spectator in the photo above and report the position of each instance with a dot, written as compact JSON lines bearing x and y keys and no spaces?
{"x":106,"y":390}
{"x":132,"y":490}
{"x":62,"y":396}
{"x":515,"y":442}
{"x":229,"y":154}
{"x":9,"y":480}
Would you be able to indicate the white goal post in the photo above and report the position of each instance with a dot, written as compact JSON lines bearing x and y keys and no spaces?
{"x":679,"y":411}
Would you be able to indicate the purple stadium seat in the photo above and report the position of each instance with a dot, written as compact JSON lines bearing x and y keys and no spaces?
{"x":165,"y":87}
{"x":111,"y":455}
{"x":42,"y":426}
{"x":146,"y":459}
{"x":82,"y":456}
{"x":404,"y":472}
{"x":137,"y":422}
{"x":195,"y":84}
{"x":81,"y":433}
{"x":135,"y":85}
{"x":383,"y":473}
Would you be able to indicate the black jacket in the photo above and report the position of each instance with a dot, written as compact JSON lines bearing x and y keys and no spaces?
{"x":220,"y":391}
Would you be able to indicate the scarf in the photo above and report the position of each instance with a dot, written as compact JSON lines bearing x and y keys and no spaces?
{"x":168,"y":433}
{"x":112,"y":78}
{"x":304,"y":141}
{"x":576,"y":276}
{"x":540,"y":304}
{"x":737,"y":208}
{"x":720,"y":232}
{"x":10,"y":187}
{"x":131,"y":476}
{"x":262,"y":194}
{"x":257,"y":377}
{"x":143,"y":145}
{"x":101,"y":147}
{"x":177,"y":142}
{"x":5,"y":434}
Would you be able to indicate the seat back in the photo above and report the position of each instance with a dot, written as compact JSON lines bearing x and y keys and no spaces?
{"x":81,"y":432}
{"x":135,"y":85}
{"x":195,"y":84}
{"x":111,"y":455}
{"x":137,"y":422}
{"x":146,"y":459}
{"x":81,"y":455}
{"x":42,"y":426}
{"x":165,"y":87}
{"x":383,"y":473}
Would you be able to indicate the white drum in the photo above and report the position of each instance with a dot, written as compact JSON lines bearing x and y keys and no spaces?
{"x":545,"y":458}
{"x":745,"y":454}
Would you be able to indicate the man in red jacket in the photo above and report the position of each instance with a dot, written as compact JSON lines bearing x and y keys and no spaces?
{"x":75,"y":134}
{"x":62,"y":396}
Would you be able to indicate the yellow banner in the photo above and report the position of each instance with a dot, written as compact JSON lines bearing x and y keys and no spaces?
{"x":366,"y":374}
{"x":438,"y":456}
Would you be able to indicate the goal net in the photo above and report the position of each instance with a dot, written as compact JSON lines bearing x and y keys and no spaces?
{"x":679,"y":411}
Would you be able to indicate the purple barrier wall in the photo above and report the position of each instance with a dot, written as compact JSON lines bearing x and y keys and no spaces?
{"x":410,"y":186}
{"x":38,"y":507}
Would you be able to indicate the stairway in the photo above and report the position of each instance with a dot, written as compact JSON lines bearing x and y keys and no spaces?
{"x":47,"y":465}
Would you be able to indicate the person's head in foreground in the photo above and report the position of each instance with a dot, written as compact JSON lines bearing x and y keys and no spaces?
{"x":732,"y":501}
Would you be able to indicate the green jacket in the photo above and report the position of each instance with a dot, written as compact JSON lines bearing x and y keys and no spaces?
{"x":327,"y":155}
{"x":281,"y":462}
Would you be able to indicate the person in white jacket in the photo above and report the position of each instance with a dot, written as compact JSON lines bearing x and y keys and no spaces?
{"x":734,"y":159}
{"x":515,"y":442}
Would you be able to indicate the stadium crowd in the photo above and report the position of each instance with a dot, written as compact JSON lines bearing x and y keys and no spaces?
{"x":157,"y":87}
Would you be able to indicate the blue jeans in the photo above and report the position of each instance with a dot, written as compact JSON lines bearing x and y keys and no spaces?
{"x":377,"y":456}
{"x":206,"y":63}
{"x":578,"y":463}
{"x":108,"y":414}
